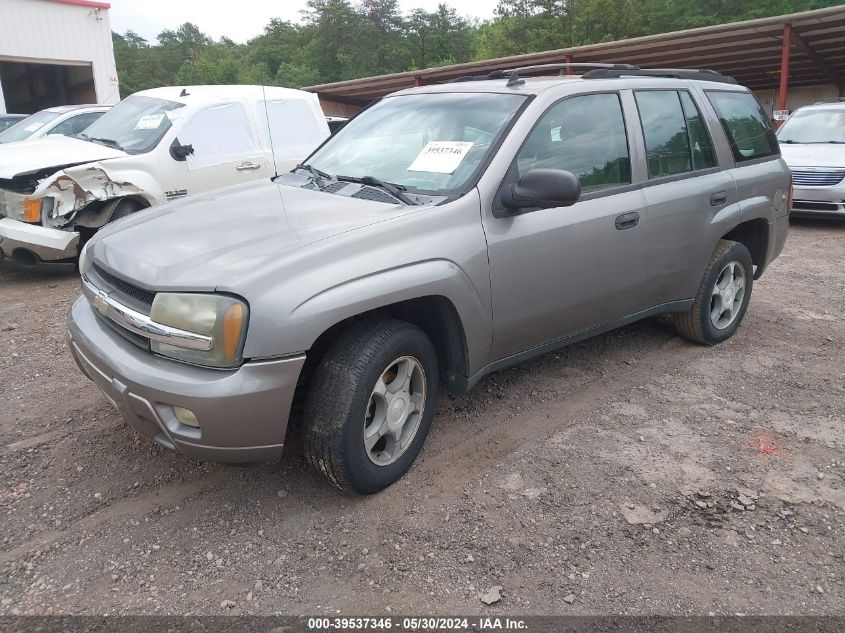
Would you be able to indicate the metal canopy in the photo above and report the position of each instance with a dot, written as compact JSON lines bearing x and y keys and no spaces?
{"x":752,"y":51}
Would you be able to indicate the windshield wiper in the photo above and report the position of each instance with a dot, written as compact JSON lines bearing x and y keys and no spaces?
{"x":316,"y":174}
{"x":102,"y":141}
{"x":371,"y":181}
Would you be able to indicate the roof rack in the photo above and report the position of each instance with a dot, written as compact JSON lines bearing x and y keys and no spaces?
{"x":831,"y":100}
{"x":702,"y":74}
{"x":513,"y":78}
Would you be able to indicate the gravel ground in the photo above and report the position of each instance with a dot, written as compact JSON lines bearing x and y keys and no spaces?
{"x":630,"y":474}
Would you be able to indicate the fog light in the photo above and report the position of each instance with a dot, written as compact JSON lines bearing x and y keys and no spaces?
{"x":186,"y":416}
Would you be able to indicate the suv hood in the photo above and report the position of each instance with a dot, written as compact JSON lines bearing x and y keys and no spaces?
{"x":55,"y":152}
{"x":214,"y":240}
{"x":813,"y":154}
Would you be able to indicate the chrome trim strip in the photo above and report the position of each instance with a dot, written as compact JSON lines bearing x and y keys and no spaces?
{"x":141,"y":324}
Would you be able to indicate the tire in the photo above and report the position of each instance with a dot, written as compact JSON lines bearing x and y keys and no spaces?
{"x":344,"y":415}
{"x":705,"y":322}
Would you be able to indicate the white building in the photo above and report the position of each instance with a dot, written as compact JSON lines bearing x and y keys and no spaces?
{"x":55,"y":52}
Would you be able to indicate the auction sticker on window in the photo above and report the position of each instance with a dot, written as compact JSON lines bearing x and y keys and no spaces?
{"x":441,"y":157}
{"x":149,"y":121}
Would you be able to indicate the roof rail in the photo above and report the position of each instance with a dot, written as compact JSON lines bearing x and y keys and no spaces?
{"x":512,"y":74}
{"x":702,"y":74}
{"x":830,"y":100}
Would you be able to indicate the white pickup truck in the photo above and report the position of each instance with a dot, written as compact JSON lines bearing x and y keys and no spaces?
{"x":154,"y":146}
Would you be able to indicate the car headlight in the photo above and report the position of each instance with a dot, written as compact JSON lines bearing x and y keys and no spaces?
{"x":220,"y":317}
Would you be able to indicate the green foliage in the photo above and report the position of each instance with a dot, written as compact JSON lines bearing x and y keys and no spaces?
{"x":342,"y":39}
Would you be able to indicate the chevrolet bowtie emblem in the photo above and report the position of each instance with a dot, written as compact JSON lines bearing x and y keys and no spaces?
{"x":101,"y":303}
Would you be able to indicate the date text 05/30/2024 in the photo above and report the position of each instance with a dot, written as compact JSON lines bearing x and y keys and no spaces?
{"x":416,"y":624}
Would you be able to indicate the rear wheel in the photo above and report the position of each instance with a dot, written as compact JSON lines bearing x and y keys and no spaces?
{"x":370,"y":405}
{"x":722,"y":297}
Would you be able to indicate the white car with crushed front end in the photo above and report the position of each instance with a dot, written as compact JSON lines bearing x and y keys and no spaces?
{"x":154,"y":146}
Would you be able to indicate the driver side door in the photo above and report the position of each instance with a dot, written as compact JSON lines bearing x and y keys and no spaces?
{"x":226,"y":150}
{"x":561,"y":271}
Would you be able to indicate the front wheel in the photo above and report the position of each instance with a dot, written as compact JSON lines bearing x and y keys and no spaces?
{"x":370,"y":405}
{"x":722,"y":297}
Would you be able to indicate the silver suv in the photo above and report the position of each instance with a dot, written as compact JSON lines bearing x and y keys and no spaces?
{"x":813,"y":144}
{"x":444,"y":233}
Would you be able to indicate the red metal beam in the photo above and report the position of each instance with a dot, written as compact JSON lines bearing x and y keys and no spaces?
{"x":784,"y":65}
{"x":568,"y":60}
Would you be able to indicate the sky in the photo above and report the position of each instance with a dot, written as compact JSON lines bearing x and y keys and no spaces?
{"x":241,"y":20}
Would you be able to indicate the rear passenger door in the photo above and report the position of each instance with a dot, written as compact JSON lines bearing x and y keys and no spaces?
{"x":561,"y":271}
{"x":685,"y":191}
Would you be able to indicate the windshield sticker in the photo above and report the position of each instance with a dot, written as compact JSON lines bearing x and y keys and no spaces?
{"x":149,"y":121}
{"x":441,"y":157}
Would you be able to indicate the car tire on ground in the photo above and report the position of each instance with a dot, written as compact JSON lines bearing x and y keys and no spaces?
{"x":722,"y":297}
{"x":370,"y":405}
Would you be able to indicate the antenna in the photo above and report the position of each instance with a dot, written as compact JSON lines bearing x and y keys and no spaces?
{"x":269,"y":127}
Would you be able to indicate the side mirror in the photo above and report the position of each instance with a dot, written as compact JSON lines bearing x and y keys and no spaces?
{"x":180,"y":152}
{"x":543,"y":188}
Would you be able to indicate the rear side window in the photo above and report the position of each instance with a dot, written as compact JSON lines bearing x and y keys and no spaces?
{"x":585,"y":135}
{"x":665,"y":128}
{"x":746,"y":125}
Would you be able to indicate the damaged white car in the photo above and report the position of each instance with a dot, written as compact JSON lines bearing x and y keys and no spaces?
{"x":154,"y":146}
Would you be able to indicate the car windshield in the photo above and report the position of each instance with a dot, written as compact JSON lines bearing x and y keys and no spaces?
{"x":825,"y":125}
{"x":135,"y":125}
{"x":428,"y":143}
{"x":25,"y":128}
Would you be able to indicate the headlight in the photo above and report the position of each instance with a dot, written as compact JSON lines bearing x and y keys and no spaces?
{"x":222,"y":318}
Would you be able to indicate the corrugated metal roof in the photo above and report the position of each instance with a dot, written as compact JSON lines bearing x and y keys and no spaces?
{"x":749,"y":51}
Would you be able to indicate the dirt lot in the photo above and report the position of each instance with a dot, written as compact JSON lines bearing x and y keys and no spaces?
{"x":633,"y":473}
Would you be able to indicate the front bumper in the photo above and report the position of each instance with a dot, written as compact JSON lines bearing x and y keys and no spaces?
{"x":819,"y":201}
{"x":243,"y":413}
{"x":30,"y":244}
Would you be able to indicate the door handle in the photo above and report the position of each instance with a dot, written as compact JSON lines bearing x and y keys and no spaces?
{"x":627,"y":220}
{"x":248,"y":166}
{"x":718,"y":199}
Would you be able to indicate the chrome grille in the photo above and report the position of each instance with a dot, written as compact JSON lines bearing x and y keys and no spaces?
{"x":128,"y":293}
{"x":806,"y":178}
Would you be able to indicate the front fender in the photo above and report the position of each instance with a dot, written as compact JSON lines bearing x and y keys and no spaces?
{"x":74,"y":188}
{"x":432,"y":278}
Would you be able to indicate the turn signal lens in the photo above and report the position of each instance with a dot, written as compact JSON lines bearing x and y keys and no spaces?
{"x":32,"y":209}
{"x":232,"y":328}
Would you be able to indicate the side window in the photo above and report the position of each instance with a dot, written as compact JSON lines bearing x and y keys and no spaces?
{"x":746,"y":125}
{"x":702,"y":146}
{"x":295,"y":129}
{"x":84,"y":120}
{"x":219,"y":134}
{"x":65,"y":127}
{"x":665,"y":128}
{"x":584,"y":135}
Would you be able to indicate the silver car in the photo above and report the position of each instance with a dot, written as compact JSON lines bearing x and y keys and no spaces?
{"x":812,"y":141}
{"x":444,"y":233}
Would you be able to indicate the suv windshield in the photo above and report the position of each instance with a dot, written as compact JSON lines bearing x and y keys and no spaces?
{"x":429,"y":143}
{"x":814,"y":126}
{"x":135,"y":125}
{"x":25,"y":128}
